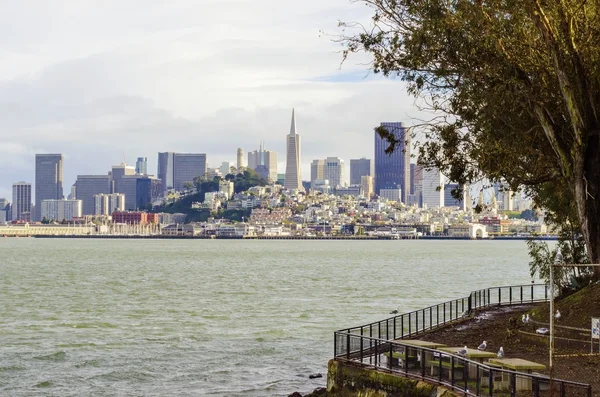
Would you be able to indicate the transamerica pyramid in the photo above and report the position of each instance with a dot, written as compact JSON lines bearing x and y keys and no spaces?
{"x":293,"y":176}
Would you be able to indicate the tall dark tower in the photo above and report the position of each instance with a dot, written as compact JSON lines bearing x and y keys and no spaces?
{"x":48,"y":180}
{"x":392,"y":171}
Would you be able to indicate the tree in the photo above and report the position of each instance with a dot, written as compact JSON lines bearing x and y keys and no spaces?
{"x":516,"y":88}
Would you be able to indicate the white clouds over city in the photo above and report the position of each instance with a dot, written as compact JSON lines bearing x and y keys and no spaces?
{"x":98,"y":79}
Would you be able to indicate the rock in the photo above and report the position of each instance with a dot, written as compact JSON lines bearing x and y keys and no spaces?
{"x":295,"y":394}
{"x":320,"y":392}
{"x":314,"y":376}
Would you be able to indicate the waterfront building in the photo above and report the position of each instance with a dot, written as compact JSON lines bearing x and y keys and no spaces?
{"x":106,"y":204}
{"x":48,"y":180}
{"x":264,"y":162}
{"x":89,"y":185}
{"x":359,"y":168}
{"x":293,"y":174}
{"x":366,"y":182}
{"x":433,"y":188}
{"x":141,"y":166}
{"x":134,"y":217}
{"x":21,"y":206}
{"x":61,"y":210}
{"x":165,"y":170}
{"x":393,"y":170}
{"x":240,"y":159}
{"x":186,"y":167}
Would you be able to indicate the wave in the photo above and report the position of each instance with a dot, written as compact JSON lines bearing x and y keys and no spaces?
{"x":58,"y":356}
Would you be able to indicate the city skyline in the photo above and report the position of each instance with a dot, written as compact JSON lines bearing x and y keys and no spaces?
{"x":81,"y":89}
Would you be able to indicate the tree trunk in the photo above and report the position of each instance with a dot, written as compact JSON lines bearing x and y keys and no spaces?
{"x":587,"y":196}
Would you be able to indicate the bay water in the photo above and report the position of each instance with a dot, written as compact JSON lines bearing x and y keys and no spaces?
{"x":85,"y":317}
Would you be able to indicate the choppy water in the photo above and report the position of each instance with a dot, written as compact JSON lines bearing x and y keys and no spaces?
{"x":218,"y":318}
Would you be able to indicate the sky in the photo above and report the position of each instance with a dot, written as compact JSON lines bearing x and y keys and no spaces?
{"x":105,"y":80}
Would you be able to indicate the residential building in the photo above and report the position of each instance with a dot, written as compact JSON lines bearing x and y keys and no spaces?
{"x":293,"y":173}
{"x":264,"y":162}
{"x":106,"y":204}
{"x":141,"y":166}
{"x":186,"y":167}
{"x":165,"y":170}
{"x":393,"y":170}
{"x":21,"y":205}
{"x":359,"y":168}
{"x":48,"y":180}
{"x":90,"y":185}
{"x":59,"y":210}
{"x":433,"y":188}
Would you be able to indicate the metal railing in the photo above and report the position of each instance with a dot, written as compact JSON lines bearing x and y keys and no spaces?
{"x":432,"y":317}
{"x":451,"y":370}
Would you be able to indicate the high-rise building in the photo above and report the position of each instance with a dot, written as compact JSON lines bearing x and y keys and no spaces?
{"x":128,"y":187}
{"x":186,"y":167}
{"x":366,"y":183}
{"x":61,"y":210}
{"x":106,"y":204}
{"x":148,"y":190}
{"x":48,"y":180}
{"x":165,"y":170}
{"x":413,"y":168}
{"x":117,"y":173}
{"x":334,"y":171}
{"x":264,"y":162}
{"x":21,"y":206}
{"x":450,"y":201}
{"x":433,"y":188}
{"x":317,"y":171}
{"x":141,"y":166}
{"x":359,"y":168}
{"x":90,"y":185}
{"x":293,"y":173}
{"x":417,"y":179}
{"x":240,"y":159}
{"x":4,"y":210}
{"x":225,"y":168}
{"x":393,"y":170}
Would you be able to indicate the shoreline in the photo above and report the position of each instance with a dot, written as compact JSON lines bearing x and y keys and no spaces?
{"x":369,"y":238}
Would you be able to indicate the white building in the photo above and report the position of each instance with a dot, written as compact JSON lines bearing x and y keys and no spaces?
{"x":59,"y":210}
{"x":106,"y":204}
{"x":433,"y":188}
{"x":264,"y":162}
{"x":391,"y":194}
{"x":226,"y":187}
{"x":293,"y":174}
{"x":333,"y":171}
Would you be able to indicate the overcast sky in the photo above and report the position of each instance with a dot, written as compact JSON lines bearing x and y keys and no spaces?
{"x":97,"y":80}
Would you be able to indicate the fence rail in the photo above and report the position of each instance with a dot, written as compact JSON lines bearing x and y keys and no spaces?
{"x":416,"y":322}
{"x":379,"y":345}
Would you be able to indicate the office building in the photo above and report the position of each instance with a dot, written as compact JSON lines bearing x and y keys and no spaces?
{"x":264,"y":162}
{"x":48,"y":180}
{"x":366,"y":183}
{"x":449,"y":200}
{"x":413,"y":168}
{"x":141,"y":166}
{"x":187,"y":167}
{"x":225,"y":168}
{"x":293,"y":173}
{"x":317,"y":171}
{"x":106,"y":204}
{"x":61,"y":210}
{"x":21,"y":205}
{"x":334,"y":171}
{"x":359,"y":168}
{"x":148,"y":190}
{"x":165,"y":170}
{"x":391,"y":194}
{"x":87,"y":186}
{"x":4,"y":210}
{"x":433,"y":188}
{"x":393,"y":170}
{"x":117,"y":173}
{"x":240,"y":159}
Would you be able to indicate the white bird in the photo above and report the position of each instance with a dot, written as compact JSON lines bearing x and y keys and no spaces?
{"x":526,"y":321}
{"x":500,"y":353}
{"x":557,"y":315}
{"x":463,"y":351}
{"x":483,"y":346}
{"x":523,"y":319}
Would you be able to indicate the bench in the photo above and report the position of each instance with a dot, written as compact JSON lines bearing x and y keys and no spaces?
{"x":398,"y":359}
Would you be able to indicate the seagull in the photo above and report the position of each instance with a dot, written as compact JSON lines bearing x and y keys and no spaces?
{"x":483,"y":346}
{"x":557,"y":315}
{"x":526,"y":318}
{"x":500,"y":353}
{"x":395,"y":311}
{"x":463,"y":351}
{"x":523,"y":319}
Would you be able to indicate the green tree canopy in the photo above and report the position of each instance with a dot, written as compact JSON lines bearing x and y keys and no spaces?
{"x":516,"y":89}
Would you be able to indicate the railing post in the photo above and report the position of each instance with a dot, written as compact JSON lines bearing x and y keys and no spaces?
{"x":387,"y":330}
{"x":451,"y":318}
{"x":391,"y":356}
{"x":348,"y":346}
{"x":423,"y":319}
{"x":362,"y":354}
{"x":513,"y":384}
{"x":536,"y":387}
{"x":470,"y":304}
{"x":394,"y":327}
{"x":376,"y":354}
{"x":532,"y":292}
{"x":379,"y":330}
{"x":491,"y":381}
{"x":416,"y":322}
{"x":499,"y":296}
{"x":430,"y":318}
{"x":423,"y":353}
{"x":521,"y":294}
{"x":402,"y":326}
{"x":452,"y":370}
{"x":510,"y":295}
{"x":563,"y":390}
{"x":335,"y":334}
{"x":444,"y":312}
{"x":440,"y":369}
{"x":409,"y":326}
{"x":478,"y":380}
{"x":437,"y":319}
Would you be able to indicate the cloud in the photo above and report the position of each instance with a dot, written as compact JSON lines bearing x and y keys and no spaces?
{"x":96,"y":81}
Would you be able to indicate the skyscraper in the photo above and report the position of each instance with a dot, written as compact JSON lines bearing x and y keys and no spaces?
{"x":186,"y":167}
{"x":317,"y":171}
{"x":334,"y":172}
{"x":393,"y":170}
{"x":264,"y":162}
{"x":141,"y":166}
{"x":21,"y":207}
{"x":117,"y":174}
{"x":433,"y":188}
{"x":165,"y":170}
{"x":90,"y":185}
{"x":48,"y":180}
{"x":359,"y":168}
{"x":240,"y":159}
{"x":293,"y":176}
